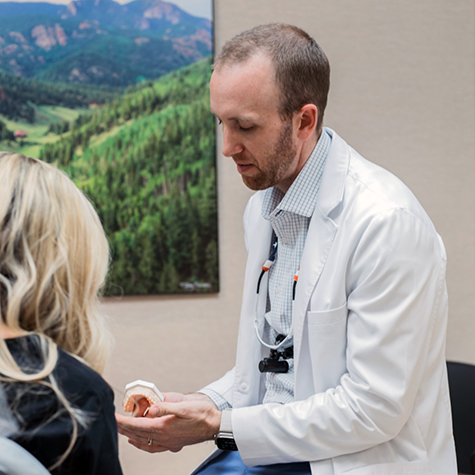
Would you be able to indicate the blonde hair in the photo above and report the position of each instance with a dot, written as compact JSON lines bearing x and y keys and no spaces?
{"x":53,"y":261}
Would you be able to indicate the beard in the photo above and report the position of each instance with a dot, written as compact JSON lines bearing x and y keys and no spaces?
{"x":276,"y":163}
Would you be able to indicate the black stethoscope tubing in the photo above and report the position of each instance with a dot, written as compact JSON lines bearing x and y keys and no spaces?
{"x":265,"y":268}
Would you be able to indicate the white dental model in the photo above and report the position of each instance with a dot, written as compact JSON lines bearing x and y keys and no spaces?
{"x":140,"y":389}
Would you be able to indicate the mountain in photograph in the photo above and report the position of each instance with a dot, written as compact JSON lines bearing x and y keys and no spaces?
{"x":100,"y":42}
{"x":117,"y":96}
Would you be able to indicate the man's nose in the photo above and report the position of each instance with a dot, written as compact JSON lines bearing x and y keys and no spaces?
{"x":231,"y":143}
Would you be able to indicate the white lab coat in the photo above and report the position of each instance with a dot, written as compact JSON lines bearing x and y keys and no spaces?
{"x":370,"y":316}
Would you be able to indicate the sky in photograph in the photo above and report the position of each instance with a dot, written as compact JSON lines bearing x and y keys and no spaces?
{"x":201,"y":8}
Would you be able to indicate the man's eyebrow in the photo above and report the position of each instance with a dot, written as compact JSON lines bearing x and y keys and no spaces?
{"x":238,"y":119}
{"x":242,"y":119}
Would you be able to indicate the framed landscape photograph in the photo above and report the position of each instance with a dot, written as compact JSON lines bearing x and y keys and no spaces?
{"x":117,"y":96}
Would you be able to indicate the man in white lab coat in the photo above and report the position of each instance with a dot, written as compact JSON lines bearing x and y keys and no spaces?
{"x":340,"y":363}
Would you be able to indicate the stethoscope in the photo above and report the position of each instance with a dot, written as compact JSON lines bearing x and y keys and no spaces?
{"x":265,"y":268}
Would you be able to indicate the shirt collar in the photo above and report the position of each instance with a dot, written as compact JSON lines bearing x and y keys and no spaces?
{"x":301,"y":197}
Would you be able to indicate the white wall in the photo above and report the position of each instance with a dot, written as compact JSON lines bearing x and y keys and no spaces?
{"x":402,"y":94}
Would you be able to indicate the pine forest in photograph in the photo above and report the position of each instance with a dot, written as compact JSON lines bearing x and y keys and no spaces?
{"x":117,"y":96}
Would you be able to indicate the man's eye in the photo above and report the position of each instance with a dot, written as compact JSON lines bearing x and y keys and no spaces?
{"x":246,"y":128}
{"x":220,"y":121}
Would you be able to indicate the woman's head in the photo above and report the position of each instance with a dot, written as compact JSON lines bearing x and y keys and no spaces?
{"x":53,"y":258}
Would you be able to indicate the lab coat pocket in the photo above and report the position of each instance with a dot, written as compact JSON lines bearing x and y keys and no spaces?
{"x":327,"y":345}
{"x":403,"y":468}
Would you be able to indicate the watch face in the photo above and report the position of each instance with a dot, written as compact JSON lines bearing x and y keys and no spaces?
{"x":225,"y":442}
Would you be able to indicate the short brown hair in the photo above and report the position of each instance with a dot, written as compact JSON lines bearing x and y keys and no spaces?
{"x":301,"y":68}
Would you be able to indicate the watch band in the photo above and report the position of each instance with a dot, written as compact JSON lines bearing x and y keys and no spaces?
{"x":224,"y":439}
{"x":226,"y":421}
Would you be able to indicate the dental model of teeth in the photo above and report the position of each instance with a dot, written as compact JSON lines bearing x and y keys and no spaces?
{"x":140,"y":389}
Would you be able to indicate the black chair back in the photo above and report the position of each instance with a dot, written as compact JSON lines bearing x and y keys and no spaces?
{"x":462,"y":394}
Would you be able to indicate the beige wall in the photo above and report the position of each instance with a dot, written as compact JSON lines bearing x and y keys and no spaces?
{"x":403,"y":95}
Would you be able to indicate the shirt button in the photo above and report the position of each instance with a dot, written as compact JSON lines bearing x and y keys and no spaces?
{"x":243,"y":387}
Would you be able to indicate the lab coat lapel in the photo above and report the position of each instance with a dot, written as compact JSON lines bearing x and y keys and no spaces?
{"x":320,"y":237}
{"x":259,"y":249}
{"x":247,"y":377}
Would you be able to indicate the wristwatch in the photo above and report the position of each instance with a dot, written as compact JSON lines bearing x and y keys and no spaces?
{"x":224,"y":439}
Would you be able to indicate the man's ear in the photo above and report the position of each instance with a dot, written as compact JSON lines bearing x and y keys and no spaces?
{"x":307,"y":121}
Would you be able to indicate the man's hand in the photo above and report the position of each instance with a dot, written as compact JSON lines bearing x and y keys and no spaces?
{"x":178,"y":421}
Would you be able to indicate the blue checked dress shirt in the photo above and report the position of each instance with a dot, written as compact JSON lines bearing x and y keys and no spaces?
{"x":289,"y":215}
